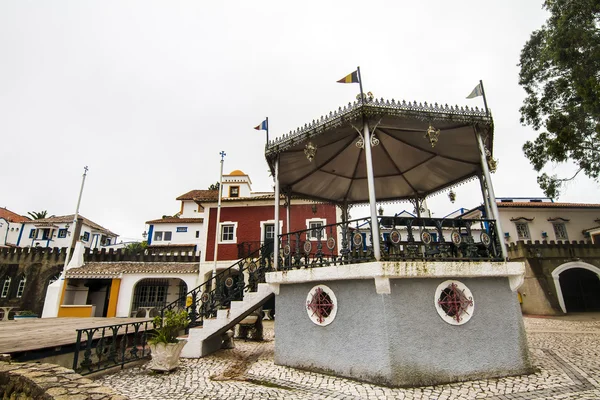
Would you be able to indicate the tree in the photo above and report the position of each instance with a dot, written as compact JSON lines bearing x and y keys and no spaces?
{"x":214,"y":186}
{"x":38,"y":214}
{"x":560,"y":72}
{"x":136,"y":247}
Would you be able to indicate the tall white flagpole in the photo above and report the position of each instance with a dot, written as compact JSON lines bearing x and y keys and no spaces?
{"x":76,"y":216}
{"x":222,"y":153}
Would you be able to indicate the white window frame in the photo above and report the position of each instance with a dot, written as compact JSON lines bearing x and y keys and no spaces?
{"x":526,"y":224}
{"x":5,"y":287}
{"x":323,"y":222}
{"x":263,"y":228}
{"x":21,"y":287}
{"x":165,"y":236}
{"x":227,"y":223}
{"x":156,"y":238}
{"x":554,"y":224}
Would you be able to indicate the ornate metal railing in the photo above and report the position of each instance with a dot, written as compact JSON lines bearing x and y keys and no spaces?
{"x":245,"y":249}
{"x":401,"y":239}
{"x":108,"y":346}
{"x":226,"y":286}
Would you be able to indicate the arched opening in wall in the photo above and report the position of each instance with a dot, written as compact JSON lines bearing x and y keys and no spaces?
{"x":151,"y":295}
{"x":580,"y":289}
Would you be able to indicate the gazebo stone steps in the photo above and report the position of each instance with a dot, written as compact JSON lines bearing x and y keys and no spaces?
{"x":204,"y":340}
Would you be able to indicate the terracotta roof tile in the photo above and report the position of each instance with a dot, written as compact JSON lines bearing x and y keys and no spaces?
{"x":69,"y":218}
{"x":111,"y":269}
{"x":201,"y":194}
{"x":175,"y":220}
{"x":11,"y":216}
{"x":533,"y":204}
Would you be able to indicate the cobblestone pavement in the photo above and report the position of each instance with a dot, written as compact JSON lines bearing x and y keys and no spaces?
{"x":566,"y":354}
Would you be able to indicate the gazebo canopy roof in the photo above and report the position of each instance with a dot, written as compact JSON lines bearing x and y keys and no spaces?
{"x":405,"y":165}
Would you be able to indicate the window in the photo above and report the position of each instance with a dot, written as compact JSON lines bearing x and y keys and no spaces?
{"x":86,"y":236}
{"x":5,"y":288}
{"x":315,"y":226}
{"x":21,"y":287}
{"x":182,"y":229}
{"x":32,"y":234}
{"x":157,"y":236}
{"x":522,"y":230}
{"x":197,"y":234}
{"x":107,"y":242}
{"x":46,"y":234}
{"x":227,"y":233}
{"x":62,"y":233}
{"x":150,"y":293}
{"x":234,"y":191}
{"x":168,"y":235}
{"x":269,"y":231}
{"x":560,"y":230}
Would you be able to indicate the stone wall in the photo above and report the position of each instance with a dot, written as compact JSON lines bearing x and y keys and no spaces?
{"x":541,"y":258}
{"x":49,"y":382}
{"x":42,"y":264}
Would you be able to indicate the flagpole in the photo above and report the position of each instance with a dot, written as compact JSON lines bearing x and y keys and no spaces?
{"x":214,"y":271}
{"x":267,"y":119}
{"x":484,"y":99}
{"x":360,"y":83}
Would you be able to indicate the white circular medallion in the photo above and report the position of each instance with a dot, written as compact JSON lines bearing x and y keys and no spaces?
{"x":321,"y":305}
{"x":454,"y":302}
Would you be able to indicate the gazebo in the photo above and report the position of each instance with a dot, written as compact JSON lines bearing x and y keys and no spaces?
{"x":375,"y":151}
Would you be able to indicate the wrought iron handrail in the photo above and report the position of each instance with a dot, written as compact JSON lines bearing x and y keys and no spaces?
{"x":227,"y":285}
{"x":401,"y":238}
{"x":111,"y":345}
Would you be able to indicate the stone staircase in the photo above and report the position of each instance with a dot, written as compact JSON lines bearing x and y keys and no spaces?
{"x":206,"y":339}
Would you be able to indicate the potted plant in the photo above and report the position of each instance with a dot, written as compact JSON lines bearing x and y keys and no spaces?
{"x":165,"y":348}
{"x":25,"y":314}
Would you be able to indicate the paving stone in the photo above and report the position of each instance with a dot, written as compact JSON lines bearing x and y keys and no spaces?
{"x":566,"y":355}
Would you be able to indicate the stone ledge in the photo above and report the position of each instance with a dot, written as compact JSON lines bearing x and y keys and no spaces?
{"x":49,"y":382}
{"x":514,"y":271}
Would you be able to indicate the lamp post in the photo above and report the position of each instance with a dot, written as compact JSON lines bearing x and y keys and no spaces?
{"x":214,"y":272}
{"x":85,"y":170}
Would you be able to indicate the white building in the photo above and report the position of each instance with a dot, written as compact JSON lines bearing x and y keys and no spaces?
{"x":11,"y":225}
{"x":59,"y":232}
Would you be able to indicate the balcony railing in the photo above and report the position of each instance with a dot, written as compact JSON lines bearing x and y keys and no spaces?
{"x":401,"y":239}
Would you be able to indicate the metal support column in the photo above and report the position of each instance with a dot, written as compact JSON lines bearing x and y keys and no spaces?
{"x":372,"y":199}
{"x":277,"y":202}
{"x":486,"y":199}
{"x":492,"y":196}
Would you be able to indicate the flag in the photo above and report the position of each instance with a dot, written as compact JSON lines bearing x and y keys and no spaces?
{"x":478,"y":91}
{"x":262,"y":127}
{"x":350,"y":78}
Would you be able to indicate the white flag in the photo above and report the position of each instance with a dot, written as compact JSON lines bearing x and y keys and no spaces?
{"x":478,"y":91}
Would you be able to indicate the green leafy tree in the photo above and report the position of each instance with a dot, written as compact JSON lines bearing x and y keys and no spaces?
{"x":136,"y":247}
{"x":214,"y":186}
{"x":560,"y":72}
{"x":38,"y":214}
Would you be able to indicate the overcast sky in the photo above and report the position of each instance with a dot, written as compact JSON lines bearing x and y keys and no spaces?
{"x":147,"y":93}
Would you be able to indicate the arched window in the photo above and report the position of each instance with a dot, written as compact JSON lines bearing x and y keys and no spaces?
{"x":21,"y":287}
{"x":5,"y":287}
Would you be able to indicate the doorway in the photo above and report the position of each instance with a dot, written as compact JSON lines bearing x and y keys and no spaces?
{"x":580,"y":290}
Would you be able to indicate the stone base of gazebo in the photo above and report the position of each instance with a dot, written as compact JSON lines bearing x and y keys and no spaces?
{"x":402,"y":323}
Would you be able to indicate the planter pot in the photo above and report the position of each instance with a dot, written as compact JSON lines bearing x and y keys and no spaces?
{"x":18,"y":317}
{"x":165,"y":356}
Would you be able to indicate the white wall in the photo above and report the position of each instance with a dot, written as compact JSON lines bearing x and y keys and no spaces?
{"x":188,"y":237}
{"x":56,"y":241}
{"x":579,"y":219}
{"x":128,"y":283}
{"x":190,"y":209}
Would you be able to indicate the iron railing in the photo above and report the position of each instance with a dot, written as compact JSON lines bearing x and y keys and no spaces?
{"x":226,"y":286}
{"x":108,"y":346}
{"x":401,"y":239}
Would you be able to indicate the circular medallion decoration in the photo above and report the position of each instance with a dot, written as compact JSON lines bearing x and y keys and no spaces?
{"x":252,"y":267}
{"x":395,"y":236}
{"x":485,"y":239}
{"x":321,"y":305}
{"x":229,"y":282}
{"x":357,"y":239}
{"x":307,"y":247}
{"x":287,"y":250}
{"x":204,"y":297}
{"x":331,"y":243}
{"x":456,"y":238}
{"x":426,"y":237}
{"x":454,"y":302}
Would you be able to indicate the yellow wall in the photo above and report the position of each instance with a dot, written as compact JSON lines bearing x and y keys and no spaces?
{"x":113,"y":297}
{"x":75,"y":311}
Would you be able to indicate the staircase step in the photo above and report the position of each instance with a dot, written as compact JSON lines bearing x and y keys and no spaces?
{"x":222,"y":314}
